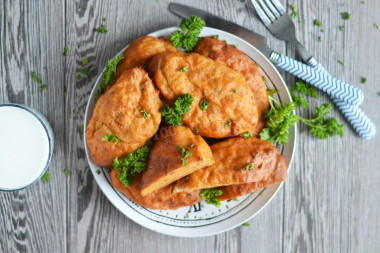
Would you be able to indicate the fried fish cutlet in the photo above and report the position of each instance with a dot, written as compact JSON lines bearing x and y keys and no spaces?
{"x":129,"y":111}
{"x":231,"y":105}
{"x":232,"y":57}
{"x":163,"y":198}
{"x":141,"y":50}
{"x":237,"y":161}
{"x":167,"y":162}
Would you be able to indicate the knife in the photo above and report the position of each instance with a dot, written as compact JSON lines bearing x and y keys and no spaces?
{"x":342,"y":94}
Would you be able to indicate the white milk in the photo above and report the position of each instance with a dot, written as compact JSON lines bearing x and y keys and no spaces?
{"x":24,"y":148}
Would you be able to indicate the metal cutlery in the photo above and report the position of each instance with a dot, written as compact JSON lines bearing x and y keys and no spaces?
{"x":278,"y":22}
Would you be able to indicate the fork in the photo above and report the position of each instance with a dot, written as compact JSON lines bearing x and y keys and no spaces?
{"x":278,"y":22}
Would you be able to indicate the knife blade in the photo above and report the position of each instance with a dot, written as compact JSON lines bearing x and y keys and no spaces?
{"x":256,"y":39}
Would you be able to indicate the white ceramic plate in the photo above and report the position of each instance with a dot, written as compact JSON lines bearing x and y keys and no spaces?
{"x":201,"y":219}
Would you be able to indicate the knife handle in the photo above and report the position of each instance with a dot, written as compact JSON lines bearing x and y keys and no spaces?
{"x":357,"y":118}
{"x":322,"y":80}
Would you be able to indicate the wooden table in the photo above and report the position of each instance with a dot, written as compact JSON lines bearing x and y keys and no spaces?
{"x":330,"y":203}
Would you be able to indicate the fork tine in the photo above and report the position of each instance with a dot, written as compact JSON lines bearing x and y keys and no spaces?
{"x":261,"y":13}
{"x":279,"y":6}
{"x":272,"y":8}
{"x":267,"y":11}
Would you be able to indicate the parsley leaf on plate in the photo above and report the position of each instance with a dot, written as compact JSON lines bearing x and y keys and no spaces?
{"x":210,"y":196}
{"x":110,"y":138}
{"x":185,"y":154}
{"x":188,"y":37}
{"x":109,"y":75}
{"x":204,"y":104}
{"x":46,"y":177}
{"x":173,"y":116}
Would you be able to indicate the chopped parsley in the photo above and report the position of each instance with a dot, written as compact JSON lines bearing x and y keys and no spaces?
{"x":204,"y":104}
{"x":323,"y":30}
{"x":294,"y":11}
{"x":46,"y":177}
{"x":66,"y":51}
{"x":364,"y":80}
{"x":43,"y":87}
{"x":185,"y":154}
{"x":345,"y":15}
{"x":84,"y":71}
{"x":341,"y":62}
{"x":187,"y":178}
{"x":85,"y":61}
{"x":210,"y":196}
{"x":235,"y":46}
{"x":236,"y":199}
{"x":109,"y":75}
{"x":77,"y":76}
{"x":216,"y":36}
{"x":184,"y":69}
{"x":341,"y":28}
{"x":191,"y":145}
{"x":134,"y":162}
{"x":145,"y":113}
{"x":98,"y":172}
{"x":247,"y":224}
{"x":173,"y":116}
{"x":196,"y":130}
{"x":246,"y":134}
{"x":67,"y":172}
{"x":319,"y":38}
{"x":318,"y":23}
{"x":216,"y":90}
{"x":36,"y":78}
{"x":376,"y":26}
{"x":110,"y":138}
{"x":229,"y":123}
{"x":271,"y":92}
{"x":102,"y":29}
{"x":187,"y":38}
{"x":249,"y":166}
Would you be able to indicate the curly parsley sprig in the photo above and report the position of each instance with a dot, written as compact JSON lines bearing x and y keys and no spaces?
{"x":135,"y":162}
{"x":210,"y":196}
{"x":188,"y":37}
{"x":281,"y":117}
{"x":173,"y":116}
{"x":109,"y":75}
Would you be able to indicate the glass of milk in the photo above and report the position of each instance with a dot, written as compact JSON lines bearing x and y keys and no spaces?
{"x":26,"y":146}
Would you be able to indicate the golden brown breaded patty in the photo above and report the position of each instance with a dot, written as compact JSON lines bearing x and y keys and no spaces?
{"x":141,"y":50}
{"x":118,"y":112}
{"x":233,"y":191}
{"x":165,"y":165}
{"x":231,"y":158}
{"x":232,"y":57}
{"x":163,"y":198}
{"x":232,"y":108}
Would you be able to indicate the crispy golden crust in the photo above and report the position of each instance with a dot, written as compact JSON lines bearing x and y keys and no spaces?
{"x":163,"y":198}
{"x":165,"y":165}
{"x":118,"y":112}
{"x":231,"y":157}
{"x":234,"y":58}
{"x":140,"y":51}
{"x":232,"y":108}
{"x":233,"y":191}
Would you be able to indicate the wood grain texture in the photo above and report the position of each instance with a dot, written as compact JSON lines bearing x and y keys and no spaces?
{"x":330,"y":202}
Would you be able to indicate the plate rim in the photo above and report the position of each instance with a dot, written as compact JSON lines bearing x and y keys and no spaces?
{"x":147,"y":223}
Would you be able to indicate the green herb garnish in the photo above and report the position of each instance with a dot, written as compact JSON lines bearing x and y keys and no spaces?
{"x":85,"y":61}
{"x":271,"y":92}
{"x":249,"y":166}
{"x":341,"y":28}
{"x":196,"y":130}
{"x":184,"y":69}
{"x":188,"y":37}
{"x":247,"y":224}
{"x":135,"y":162}
{"x":319,"y":38}
{"x":185,"y":154}
{"x":376,"y":26}
{"x":204,"y":104}
{"x":246,"y":134}
{"x":36,"y":78}
{"x":145,"y":113}
{"x":46,"y":177}
{"x":216,"y":36}
{"x":173,"y":116}
{"x":318,"y":23}
{"x":66,"y":51}
{"x":364,"y":80}
{"x":210,"y":196}
{"x":110,"y":138}
{"x":345,"y":15}
{"x":67,"y":172}
{"x":102,"y":29}
{"x":84,"y":71}
{"x":236,"y":199}
{"x":294,"y":12}
{"x":43,"y":87}
{"x":109,"y":75}
{"x":98,"y":172}
{"x":341,"y":62}
{"x":305,"y":88}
